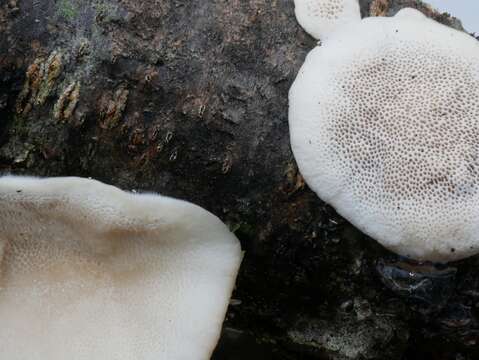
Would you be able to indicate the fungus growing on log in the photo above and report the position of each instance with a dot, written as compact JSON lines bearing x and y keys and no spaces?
{"x":384,"y":122}
{"x":321,"y":18}
{"x":88,"y":271}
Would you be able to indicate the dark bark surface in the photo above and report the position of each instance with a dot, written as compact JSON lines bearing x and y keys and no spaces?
{"x":189,"y":99}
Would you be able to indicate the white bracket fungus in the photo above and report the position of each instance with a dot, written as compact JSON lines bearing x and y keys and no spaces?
{"x":321,"y":18}
{"x":384,"y":121}
{"x":88,"y":272}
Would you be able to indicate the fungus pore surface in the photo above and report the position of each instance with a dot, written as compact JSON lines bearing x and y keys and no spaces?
{"x":384,"y":121}
{"x":320,"y":18}
{"x":88,"y":272}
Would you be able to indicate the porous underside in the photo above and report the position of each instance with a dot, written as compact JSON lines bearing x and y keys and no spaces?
{"x":320,"y":18}
{"x":384,"y":126}
{"x":90,"y":272}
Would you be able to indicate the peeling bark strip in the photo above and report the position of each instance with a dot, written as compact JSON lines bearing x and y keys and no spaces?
{"x":216,"y":74}
{"x":379,"y":7}
{"x":26,"y":99}
{"x":52,"y":69}
{"x":112,"y":109}
{"x":67,"y":102}
{"x":40,"y":81}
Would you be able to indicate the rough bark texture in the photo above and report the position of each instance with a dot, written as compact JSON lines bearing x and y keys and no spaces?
{"x":189,"y":99}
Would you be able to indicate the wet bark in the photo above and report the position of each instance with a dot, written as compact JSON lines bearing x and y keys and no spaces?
{"x":189,"y":99}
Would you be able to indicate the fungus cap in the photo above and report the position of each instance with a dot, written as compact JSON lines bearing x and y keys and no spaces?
{"x":320,"y":18}
{"x":384,"y":121}
{"x":91,"y":272}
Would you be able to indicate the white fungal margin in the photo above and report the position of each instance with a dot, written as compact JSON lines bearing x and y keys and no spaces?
{"x":90,"y":272}
{"x":384,"y":127}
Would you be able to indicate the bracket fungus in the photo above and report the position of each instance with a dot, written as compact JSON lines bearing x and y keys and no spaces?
{"x":384,"y":125}
{"x":88,"y":271}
